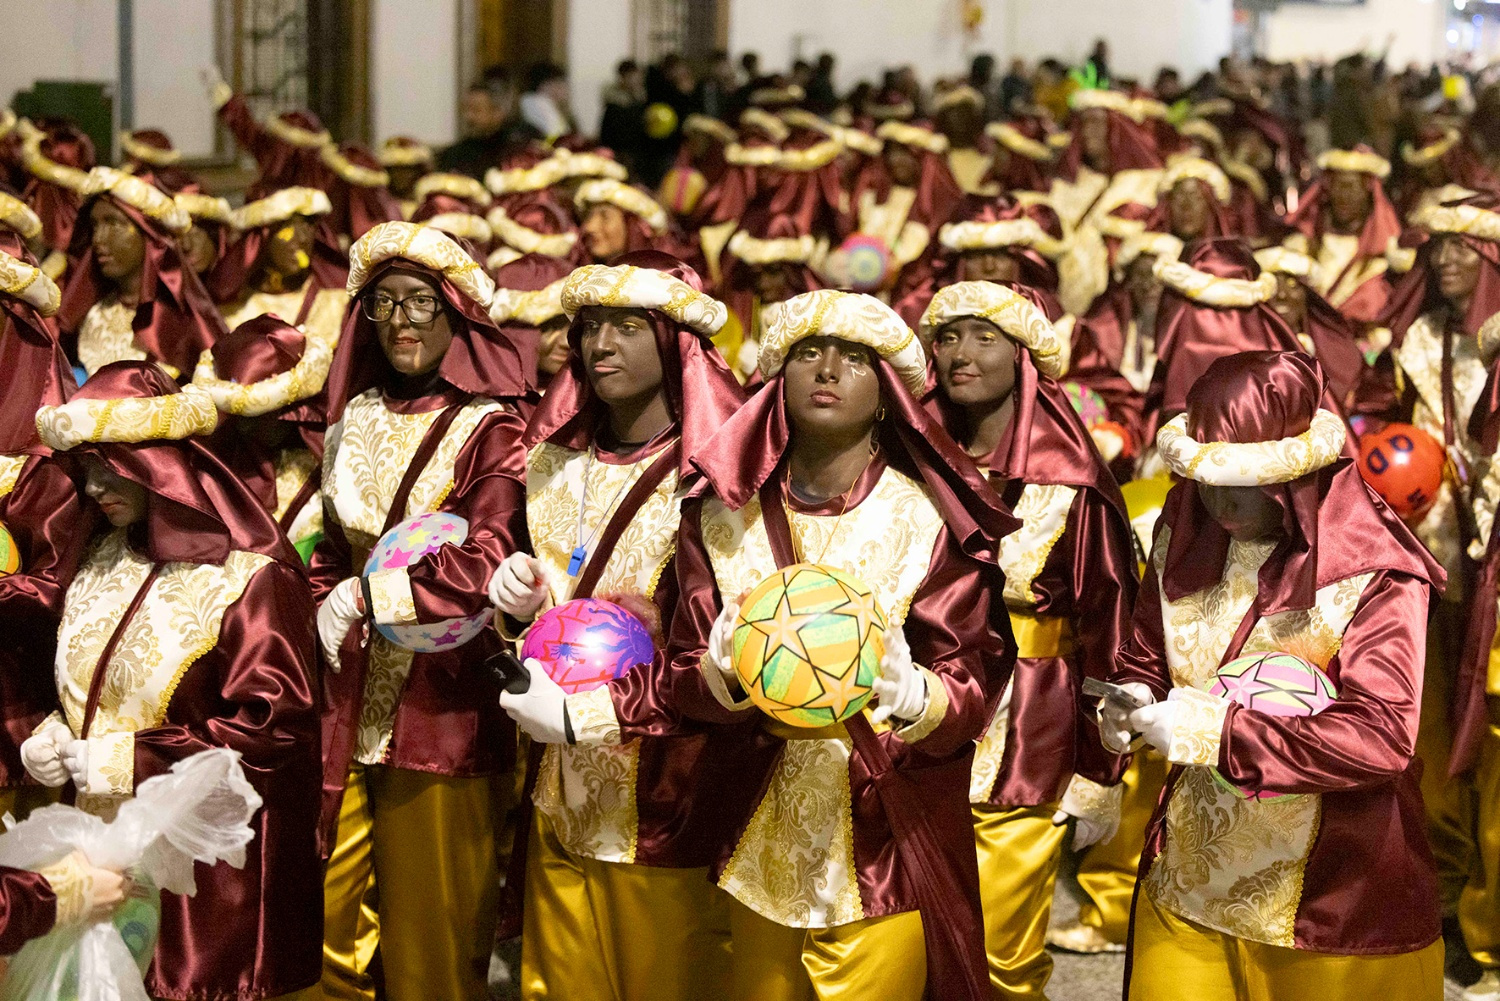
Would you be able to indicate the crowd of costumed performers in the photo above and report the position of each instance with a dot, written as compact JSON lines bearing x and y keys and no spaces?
{"x":763,"y":586}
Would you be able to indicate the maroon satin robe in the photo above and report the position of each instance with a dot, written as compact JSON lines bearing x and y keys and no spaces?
{"x":28,"y":908}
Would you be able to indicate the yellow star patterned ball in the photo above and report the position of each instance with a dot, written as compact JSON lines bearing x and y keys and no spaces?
{"x":10,"y":555}
{"x":807,"y":645}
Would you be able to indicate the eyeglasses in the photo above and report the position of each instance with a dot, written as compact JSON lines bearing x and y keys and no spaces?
{"x":418,"y":308}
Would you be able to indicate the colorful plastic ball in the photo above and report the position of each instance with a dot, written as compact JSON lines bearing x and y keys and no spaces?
{"x":681,"y":189}
{"x":661,"y":120}
{"x":586,"y":643}
{"x":807,"y":645}
{"x":1089,"y":404}
{"x":404,"y":546}
{"x":1276,"y":684}
{"x":866,"y":262}
{"x":1404,"y":465}
{"x":10,"y":555}
{"x":1143,"y":502}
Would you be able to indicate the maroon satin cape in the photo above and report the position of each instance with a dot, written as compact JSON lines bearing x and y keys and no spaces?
{"x":481,"y":360}
{"x":1470,"y":710}
{"x":282,"y":165}
{"x":175,"y":320}
{"x":1132,"y":146}
{"x":1090,"y":578}
{"x":228,"y":280}
{"x":57,"y":206}
{"x":1333,"y":336}
{"x":1190,"y":336}
{"x":28,"y":908}
{"x":32,"y":357}
{"x":1381,"y":225}
{"x":1359,"y":752}
{"x":1461,"y":165}
{"x":938,"y":193}
{"x":1097,"y":357}
{"x":441,"y":202}
{"x":540,"y":211}
{"x":701,"y":391}
{"x":1021,"y":172}
{"x":358,"y":207}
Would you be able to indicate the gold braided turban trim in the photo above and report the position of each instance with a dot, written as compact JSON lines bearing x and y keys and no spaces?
{"x":801,"y":118}
{"x":1109,"y":100}
{"x":40,"y":166}
{"x":1193,"y":168}
{"x":642,"y":288}
{"x":622,"y":196}
{"x":255,"y":399}
{"x":1251,"y":464}
{"x":790,"y":94}
{"x":1246,"y":175}
{"x":139,"y":195}
{"x":17,"y":215}
{"x":1159,"y":245}
{"x":1419,"y":156}
{"x":1213,"y":106}
{"x":589,"y":165}
{"x":913,"y":135}
{"x":29,"y":284}
{"x":1016,"y":141}
{"x":708,"y":126}
{"x":1469,"y":220}
{"x":850,"y":316}
{"x":517,"y":179}
{"x":1211,"y":290}
{"x":295,"y":134}
{"x":148,"y":154}
{"x":858,"y":140}
{"x":962,"y":94}
{"x":527,"y":240}
{"x":402,"y":154}
{"x":351,"y":172}
{"x":786,"y":249}
{"x":1149,"y":107}
{"x":205,"y":207}
{"x":768,"y":123}
{"x":1199,"y":128}
{"x":1489,"y":339}
{"x":1021,"y":232}
{"x":1358,"y":161}
{"x":458,"y":185}
{"x":1286,"y":261}
{"x":818,"y":155}
{"x":885,"y":112}
{"x":1013,"y":313}
{"x":531,"y":308}
{"x":464,"y":225}
{"x":172,"y":417}
{"x":7,"y":122}
{"x":281,"y":206}
{"x":431,"y":248}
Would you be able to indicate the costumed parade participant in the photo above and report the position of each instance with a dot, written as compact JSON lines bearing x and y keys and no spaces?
{"x":56,"y":155}
{"x":132,"y":295}
{"x":616,"y":218}
{"x":528,"y":309}
{"x":40,"y":512}
{"x":189,"y":626}
{"x":1324,"y":332}
{"x":422,"y":417}
{"x":851,"y":864}
{"x":266,"y":377}
{"x":1273,"y":551}
{"x":286,"y":262}
{"x":1070,"y":580}
{"x":286,"y":147}
{"x":406,"y":161}
{"x":903,"y":198}
{"x":150,"y":153}
{"x":1440,"y":165}
{"x":1346,"y":223}
{"x":212,"y":228}
{"x":767,"y":261}
{"x":360,"y":192}
{"x":1020,"y":157}
{"x":620,"y":838}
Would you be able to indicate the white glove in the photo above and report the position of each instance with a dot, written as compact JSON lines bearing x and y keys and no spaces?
{"x":212,"y":79}
{"x":540,"y":711}
{"x":901,"y":689}
{"x":720,"y":651}
{"x":336,"y":616}
{"x":75,"y":758}
{"x":1154,"y":722}
{"x":519,"y":586}
{"x":41,"y":753}
{"x":1095,"y":807}
{"x":1115,"y":722}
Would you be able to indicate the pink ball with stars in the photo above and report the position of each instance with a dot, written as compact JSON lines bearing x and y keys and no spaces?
{"x":1277,"y":684}
{"x":586,"y":643}
{"x":406,"y":545}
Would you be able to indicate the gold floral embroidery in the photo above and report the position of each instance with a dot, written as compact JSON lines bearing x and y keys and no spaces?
{"x":990,"y":752}
{"x":71,"y":884}
{"x":106,"y":335}
{"x":1197,"y":728}
{"x":1043,"y":510}
{"x":293,"y":468}
{"x":111,"y":761}
{"x":10,"y":471}
{"x":391,"y":601}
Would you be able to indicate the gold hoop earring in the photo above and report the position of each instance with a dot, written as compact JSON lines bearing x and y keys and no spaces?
{"x":880,"y":411}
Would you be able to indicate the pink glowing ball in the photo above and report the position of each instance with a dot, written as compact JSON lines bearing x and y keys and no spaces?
{"x":585,"y":643}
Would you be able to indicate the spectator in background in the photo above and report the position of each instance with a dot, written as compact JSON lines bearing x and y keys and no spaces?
{"x":1053,"y":88}
{"x":492,"y":129}
{"x":545,"y":104}
{"x":1169,"y":89}
{"x":1100,"y":58}
{"x":1015,"y":87}
{"x":716,"y":91}
{"x":802,"y":73}
{"x":622,"y":127}
{"x":822,"y":96}
{"x":671,"y":83}
{"x":982,"y":79}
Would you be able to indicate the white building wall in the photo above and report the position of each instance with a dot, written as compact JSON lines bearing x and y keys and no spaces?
{"x":1414,"y":29}
{"x":414,"y":63}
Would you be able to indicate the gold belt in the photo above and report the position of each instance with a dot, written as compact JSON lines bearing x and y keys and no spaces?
{"x":1041,"y":635}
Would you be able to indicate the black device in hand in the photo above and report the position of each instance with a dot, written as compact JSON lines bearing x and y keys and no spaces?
{"x":508,"y":671}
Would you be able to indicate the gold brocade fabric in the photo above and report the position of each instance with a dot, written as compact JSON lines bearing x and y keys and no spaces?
{"x":969,"y":167}
{"x":10,"y":472}
{"x":1175,"y":958}
{"x":367,"y":453}
{"x":1072,"y":199}
{"x":1420,"y":359}
{"x":795,"y":862}
{"x":106,"y":335}
{"x":1336,"y":254}
{"x":325,"y":319}
{"x":889,"y":222}
{"x":1230,"y":863}
{"x":588,"y":792}
{"x":293,"y":467}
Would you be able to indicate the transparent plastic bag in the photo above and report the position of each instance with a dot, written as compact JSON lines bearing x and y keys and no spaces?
{"x":198,"y":812}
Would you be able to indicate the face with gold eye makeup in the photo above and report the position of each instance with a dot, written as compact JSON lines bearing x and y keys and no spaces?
{"x":289,"y":251}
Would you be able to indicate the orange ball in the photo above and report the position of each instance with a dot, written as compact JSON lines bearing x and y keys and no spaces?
{"x":1404,"y":465}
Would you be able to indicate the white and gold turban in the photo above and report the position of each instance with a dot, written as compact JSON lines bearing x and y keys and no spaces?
{"x":1184,"y":168}
{"x":303,"y":380}
{"x":460,"y":186}
{"x":532,"y":308}
{"x":849,"y":316}
{"x":174,"y":417}
{"x":281,"y":206}
{"x":140,"y":195}
{"x":206,"y":207}
{"x":1251,"y":464}
{"x":1211,"y":290}
{"x":17,"y":216}
{"x":1358,"y":161}
{"x":1015,"y":315}
{"x":1023,"y":231}
{"x":527,"y":240}
{"x":914,"y":136}
{"x":608,"y":191}
{"x":431,"y":248}
{"x":29,"y":284}
{"x":774,"y":250}
{"x":642,"y":288}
